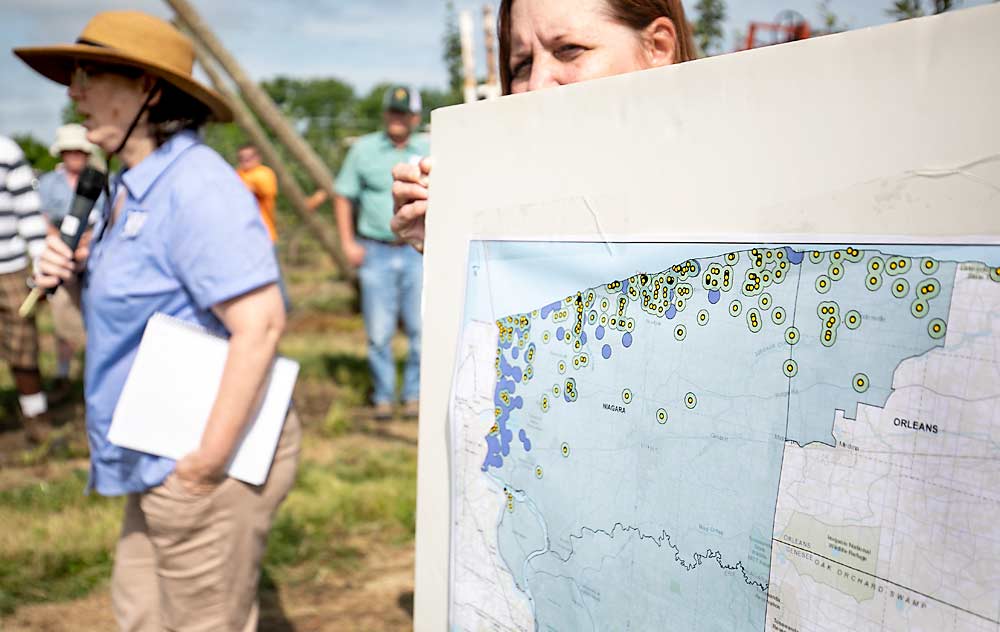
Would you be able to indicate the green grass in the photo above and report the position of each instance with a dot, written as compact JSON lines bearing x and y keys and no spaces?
{"x":42,"y":577}
{"x":56,"y":543}
{"x":353,"y":491}
{"x":361,"y":493}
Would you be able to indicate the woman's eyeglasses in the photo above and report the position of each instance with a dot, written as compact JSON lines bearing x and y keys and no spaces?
{"x":83,"y":73}
{"x":81,"y":76}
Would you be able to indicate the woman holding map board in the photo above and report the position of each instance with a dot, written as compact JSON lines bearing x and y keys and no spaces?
{"x":548,"y":43}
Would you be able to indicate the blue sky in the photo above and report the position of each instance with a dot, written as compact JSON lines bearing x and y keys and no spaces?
{"x":360,"y":41}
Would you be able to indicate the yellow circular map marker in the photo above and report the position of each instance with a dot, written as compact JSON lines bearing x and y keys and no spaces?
{"x":691,"y":401}
{"x":791,"y":368}
{"x":860,"y":383}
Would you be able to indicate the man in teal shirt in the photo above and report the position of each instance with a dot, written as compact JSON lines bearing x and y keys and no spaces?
{"x":391,"y":274}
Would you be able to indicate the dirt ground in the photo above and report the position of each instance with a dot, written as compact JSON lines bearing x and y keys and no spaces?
{"x":378,"y":598}
{"x":374,"y":593}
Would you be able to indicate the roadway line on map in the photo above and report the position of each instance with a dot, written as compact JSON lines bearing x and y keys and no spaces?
{"x":788,"y":415}
{"x":888,"y":581}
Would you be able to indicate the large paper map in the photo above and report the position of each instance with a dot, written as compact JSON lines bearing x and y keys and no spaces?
{"x":727,"y":437}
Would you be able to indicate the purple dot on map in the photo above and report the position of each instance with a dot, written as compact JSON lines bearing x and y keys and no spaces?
{"x":514,"y":353}
{"x":627,"y":340}
{"x":599,"y":333}
{"x":560,"y":333}
{"x":606,"y":351}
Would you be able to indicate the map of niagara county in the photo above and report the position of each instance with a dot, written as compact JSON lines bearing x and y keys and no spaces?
{"x":773,"y":438}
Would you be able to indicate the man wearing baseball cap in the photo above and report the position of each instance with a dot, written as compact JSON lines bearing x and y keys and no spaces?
{"x":56,"y":189}
{"x":391,"y":274}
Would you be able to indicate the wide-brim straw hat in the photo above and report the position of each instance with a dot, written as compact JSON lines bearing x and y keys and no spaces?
{"x":134,"y":39}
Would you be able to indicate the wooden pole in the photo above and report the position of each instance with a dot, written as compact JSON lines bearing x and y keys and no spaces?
{"x":492,"y":88}
{"x":257,"y":100}
{"x":471,"y":93}
{"x":286,"y":181}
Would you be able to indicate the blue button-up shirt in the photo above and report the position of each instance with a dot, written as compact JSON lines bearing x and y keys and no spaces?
{"x":188,"y":237}
{"x":57,"y":195}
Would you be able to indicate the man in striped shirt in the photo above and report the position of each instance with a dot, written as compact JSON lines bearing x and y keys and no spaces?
{"x":22,"y":236}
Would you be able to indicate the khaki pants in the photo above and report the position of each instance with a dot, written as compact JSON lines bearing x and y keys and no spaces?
{"x":67,"y":321}
{"x":191,"y":563}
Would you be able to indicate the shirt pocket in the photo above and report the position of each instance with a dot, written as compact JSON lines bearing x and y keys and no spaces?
{"x":135,"y":262}
{"x":376,"y":177}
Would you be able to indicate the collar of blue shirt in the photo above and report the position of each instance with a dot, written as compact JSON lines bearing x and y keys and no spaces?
{"x":141,"y":178}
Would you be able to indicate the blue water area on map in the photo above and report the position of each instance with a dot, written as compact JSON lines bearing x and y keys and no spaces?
{"x":548,"y":309}
{"x":525,"y":441}
{"x":714,"y":296}
{"x":645,"y":520}
{"x":498,"y":444}
{"x":617,"y":582}
{"x":493,"y":456}
{"x":705,"y":481}
{"x":888,"y":334}
{"x":795,"y":257}
{"x":519,"y":534}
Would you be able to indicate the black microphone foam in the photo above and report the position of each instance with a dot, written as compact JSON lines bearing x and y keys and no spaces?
{"x":89,"y":185}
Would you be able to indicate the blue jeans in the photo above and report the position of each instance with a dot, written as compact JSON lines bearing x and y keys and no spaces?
{"x":281,"y":284}
{"x":391,"y":283}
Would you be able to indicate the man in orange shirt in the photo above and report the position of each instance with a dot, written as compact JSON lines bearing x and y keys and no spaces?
{"x":262,"y":182}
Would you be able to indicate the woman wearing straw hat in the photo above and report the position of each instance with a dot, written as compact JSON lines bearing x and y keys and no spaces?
{"x":180,"y":235}
{"x":56,"y":189}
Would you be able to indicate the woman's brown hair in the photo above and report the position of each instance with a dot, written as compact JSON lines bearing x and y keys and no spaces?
{"x":637,"y":14}
{"x":175,"y":112}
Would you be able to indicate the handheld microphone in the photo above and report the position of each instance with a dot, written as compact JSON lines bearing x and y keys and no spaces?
{"x":89,"y":185}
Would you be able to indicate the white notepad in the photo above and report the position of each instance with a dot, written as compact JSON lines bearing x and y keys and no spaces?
{"x":169,"y":393}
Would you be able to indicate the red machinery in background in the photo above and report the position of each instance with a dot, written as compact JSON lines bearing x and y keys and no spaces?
{"x":788,"y":26}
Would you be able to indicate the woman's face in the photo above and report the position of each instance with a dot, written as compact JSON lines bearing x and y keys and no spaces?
{"x":556,"y":42}
{"x":74,"y":161}
{"x":108,"y":101}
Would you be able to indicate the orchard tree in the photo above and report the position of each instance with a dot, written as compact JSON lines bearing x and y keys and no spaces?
{"x":708,"y":27}
{"x":906,"y":9}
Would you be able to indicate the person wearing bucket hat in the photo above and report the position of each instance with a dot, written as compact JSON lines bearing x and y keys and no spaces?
{"x":56,"y":189}
{"x":72,"y":138}
{"x":181,"y":235}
